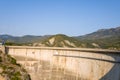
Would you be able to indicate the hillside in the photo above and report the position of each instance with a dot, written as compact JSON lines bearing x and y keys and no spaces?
{"x":101,"y":34}
{"x":60,"y":40}
{"x":10,"y":70}
{"x":104,"y":38}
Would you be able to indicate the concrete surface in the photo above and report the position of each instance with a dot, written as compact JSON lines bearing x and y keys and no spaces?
{"x":46,"y":63}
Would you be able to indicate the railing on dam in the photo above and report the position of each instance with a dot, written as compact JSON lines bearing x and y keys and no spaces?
{"x":52,"y":63}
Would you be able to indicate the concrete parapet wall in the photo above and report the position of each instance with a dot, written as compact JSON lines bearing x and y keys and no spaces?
{"x":68,"y":63}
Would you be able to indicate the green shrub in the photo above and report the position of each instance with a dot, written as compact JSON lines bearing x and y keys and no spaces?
{"x":0,"y":59}
{"x":13,"y":61}
{"x":15,"y":78}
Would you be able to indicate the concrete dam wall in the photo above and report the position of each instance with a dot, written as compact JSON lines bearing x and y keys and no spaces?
{"x":45,"y":63}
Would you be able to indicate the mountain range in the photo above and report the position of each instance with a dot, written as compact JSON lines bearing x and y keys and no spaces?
{"x":102,"y":33}
{"x":103,"y":38}
{"x":22,"y":39}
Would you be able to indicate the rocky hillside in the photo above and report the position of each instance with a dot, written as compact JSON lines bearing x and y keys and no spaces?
{"x":104,"y":38}
{"x":102,"y":33}
{"x":10,"y":70}
{"x":60,"y":40}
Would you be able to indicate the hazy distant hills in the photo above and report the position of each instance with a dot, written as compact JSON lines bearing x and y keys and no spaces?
{"x":103,"y":38}
{"x":23,"y":39}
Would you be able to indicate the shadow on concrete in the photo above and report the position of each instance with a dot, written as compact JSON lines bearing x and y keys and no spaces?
{"x":90,"y":58}
{"x":43,"y":70}
{"x":114,"y":73}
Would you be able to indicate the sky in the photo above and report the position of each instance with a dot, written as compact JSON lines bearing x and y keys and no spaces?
{"x":48,"y":17}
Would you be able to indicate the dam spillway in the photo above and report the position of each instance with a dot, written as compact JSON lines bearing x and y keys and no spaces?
{"x":45,"y":63}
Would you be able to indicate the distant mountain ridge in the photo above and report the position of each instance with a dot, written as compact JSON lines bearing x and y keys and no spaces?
{"x":103,"y":38}
{"x":102,"y":33}
{"x":23,"y":39}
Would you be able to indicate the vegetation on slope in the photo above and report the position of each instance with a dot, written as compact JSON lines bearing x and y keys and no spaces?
{"x":102,"y":34}
{"x":10,"y":70}
{"x":61,"y":40}
{"x":22,"y":39}
{"x":108,"y":43}
{"x":104,"y":38}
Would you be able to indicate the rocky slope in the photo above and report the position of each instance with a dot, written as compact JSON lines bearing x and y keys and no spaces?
{"x":102,"y":33}
{"x":60,"y":40}
{"x":104,"y":38}
{"x":10,"y":70}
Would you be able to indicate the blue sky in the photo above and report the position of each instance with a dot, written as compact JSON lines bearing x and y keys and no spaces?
{"x":70,"y":17}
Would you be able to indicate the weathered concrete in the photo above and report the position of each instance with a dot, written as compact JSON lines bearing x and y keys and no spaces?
{"x":45,"y":63}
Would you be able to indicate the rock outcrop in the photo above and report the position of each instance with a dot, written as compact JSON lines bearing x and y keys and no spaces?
{"x":60,"y":40}
{"x":10,"y":70}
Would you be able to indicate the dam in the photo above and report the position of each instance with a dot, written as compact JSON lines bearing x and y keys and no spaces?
{"x":52,"y":63}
